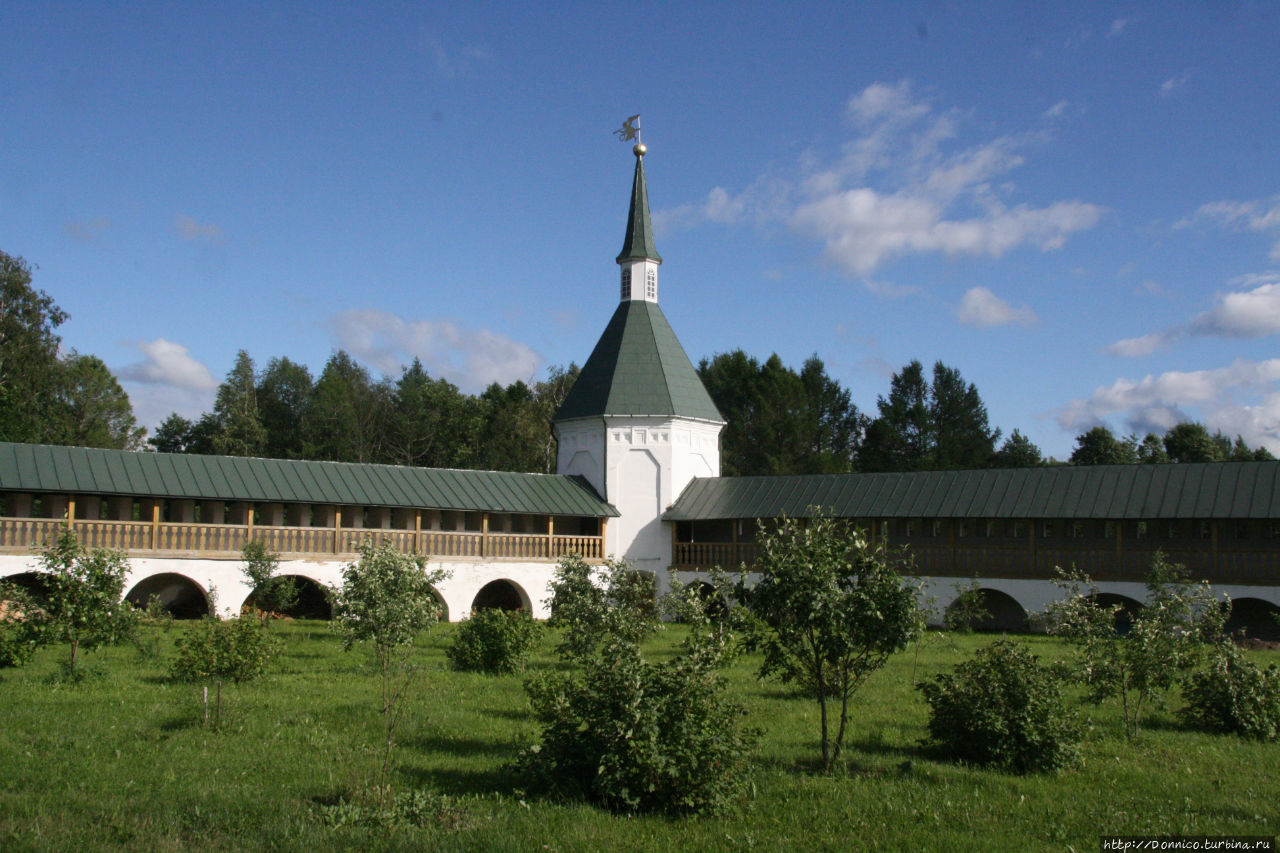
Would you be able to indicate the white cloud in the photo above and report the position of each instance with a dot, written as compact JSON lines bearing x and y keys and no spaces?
{"x":470,"y":358}
{"x":982,"y":308}
{"x":1057,"y":110}
{"x":167,"y":363}
{"x":190,"y":229}
{"x":166,"y":380}
{"x":1252,"y":313}
{"x":1118,"y":26}
{"x":1174,"y":84}
{"x":887,"y":289}
{"x":901,"y":186}
{"x":1242,"y":398}
{"x":1262,"y":216}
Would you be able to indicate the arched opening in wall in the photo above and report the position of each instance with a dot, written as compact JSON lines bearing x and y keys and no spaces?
{"x":501,"y":595}
{"x":1129,"y":608}
{"x":717,"y":607}
{"x":440,"y":602}
{"x":33,"y":584}
{"x":311,"y":602}
{"x":178,"y":594}
{"x":1002,"y":612}
{"x":1256,"y":618}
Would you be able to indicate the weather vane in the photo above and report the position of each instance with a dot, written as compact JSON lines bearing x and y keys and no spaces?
{"x":631,"y":130}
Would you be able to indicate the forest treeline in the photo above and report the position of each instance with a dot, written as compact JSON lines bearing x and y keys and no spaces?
{"x":780,"y":420}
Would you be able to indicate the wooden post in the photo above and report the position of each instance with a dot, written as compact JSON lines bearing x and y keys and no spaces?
{"x":155,"y":525}
{"x":674,"y":543}
{"x":484,"y":534}
{"x":604,"y":522}
{"x":417,"y":532}
{"x":337,"y":527}
{"x":551,"y":536}
{"x":71,"y":511}
{"x":248,"y":521}
{"x":1213,"y":545}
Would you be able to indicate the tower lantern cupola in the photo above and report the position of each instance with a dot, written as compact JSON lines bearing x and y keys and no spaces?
{"x":639,"y":257}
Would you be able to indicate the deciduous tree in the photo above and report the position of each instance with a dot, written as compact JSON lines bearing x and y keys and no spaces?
{"x":28,"y":352}
{"x":830,"y":607}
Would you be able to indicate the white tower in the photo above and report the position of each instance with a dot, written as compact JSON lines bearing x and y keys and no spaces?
{"x":638,"y":423}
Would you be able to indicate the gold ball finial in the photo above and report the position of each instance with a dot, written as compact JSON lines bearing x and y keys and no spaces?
{"x":639,"y":150}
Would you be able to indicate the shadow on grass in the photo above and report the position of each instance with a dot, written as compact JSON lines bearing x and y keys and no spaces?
{"x":457,"y":782}
{"x":463,"y":746}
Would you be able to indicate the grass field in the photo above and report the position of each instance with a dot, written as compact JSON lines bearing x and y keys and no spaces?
{"x":121,"y":762}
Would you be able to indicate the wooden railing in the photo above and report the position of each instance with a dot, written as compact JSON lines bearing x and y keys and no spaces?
{"x":27,"y":535}
{"x":1237,"y":565}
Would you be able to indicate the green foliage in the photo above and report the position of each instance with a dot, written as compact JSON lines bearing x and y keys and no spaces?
{"x":223,"y":650}
{"x":1002,"y":708}
{"x":638,"y":735}
{"x":88,"y":408}
{"x":271,"y":594}
{"x":235,"y":410}
{"x":28,"y":352}
{"x":589,"y":605}
{"x":283,"y":391}
{"x":84,"y":605}
{"x":1018,"y":451}
{"x":1233,"y":694}
{"x":929,"y":426}
{"x":1099,"y":446}
{"x":781,"y":421}
{"x":20,"y":625}
{"x":387,"y":599}
{"x":414,"y":809}
{"x":494,"y":641}
{"x":968,"y":610}
{"x":830,"y":607}
{"x":1165,"y":639}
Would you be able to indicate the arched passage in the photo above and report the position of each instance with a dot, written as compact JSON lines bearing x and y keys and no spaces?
{"x":717,"y":607}
{"x":441,"y":603}
{"x":501,"y":595}
{"x":1256,"y":618}
{"x":312,"y":600}
{"x":1129,"y":608}
{"x":178,"y":594}
{"x":32,"y":583}
{"x":1004,"y":613}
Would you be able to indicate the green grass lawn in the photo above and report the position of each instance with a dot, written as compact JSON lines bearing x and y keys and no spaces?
{"x":121,"y":762}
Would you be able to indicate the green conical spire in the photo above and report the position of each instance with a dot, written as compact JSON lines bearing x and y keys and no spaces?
{"x":638,"y":244}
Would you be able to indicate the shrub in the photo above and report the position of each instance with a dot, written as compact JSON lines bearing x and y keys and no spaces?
{"x":589,"y":604}
{"x":643,"y":736}
{"x":1001,"y":708}
{"x":1165,"y":640}
{"x":85,"y":592}
{"x":213,"y":651}
{"x":217,"y":650}
{"x":494,"y":641}
{"x":21,"y":621}
{"x":968,"y":611}
{"x":1233,"y":694}
{"x":271,"y":594}
{"x":830,"y":607}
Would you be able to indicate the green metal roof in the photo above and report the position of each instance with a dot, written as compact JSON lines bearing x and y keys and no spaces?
{"x":1241,"y":490}
{"x":638,"y":243}
{"x":42,"y":468}
{"x":638,"y":368}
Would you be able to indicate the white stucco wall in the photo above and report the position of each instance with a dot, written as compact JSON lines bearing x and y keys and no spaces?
{"x":225,"y":577}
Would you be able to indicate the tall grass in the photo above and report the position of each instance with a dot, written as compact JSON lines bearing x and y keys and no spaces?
{"x":121,"y":761}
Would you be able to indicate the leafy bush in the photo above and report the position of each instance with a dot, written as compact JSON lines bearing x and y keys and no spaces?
{"x":217,"y":650}
{"x":85,"y":591}
{"x":968,"y":611}
{"x":1001,"y":708}
{"x":1166,"y":639}
{"x":1233,"y":694}
{"x":829,"y":609}
{"x":494,"y":641}
{"x":21,"y":621}
{"x":588,"y":604}
{"x":642,"y":736}
{"x":271,"y":594}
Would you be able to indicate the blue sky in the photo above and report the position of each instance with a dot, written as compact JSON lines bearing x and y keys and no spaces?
{"x":1077,"y":205}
